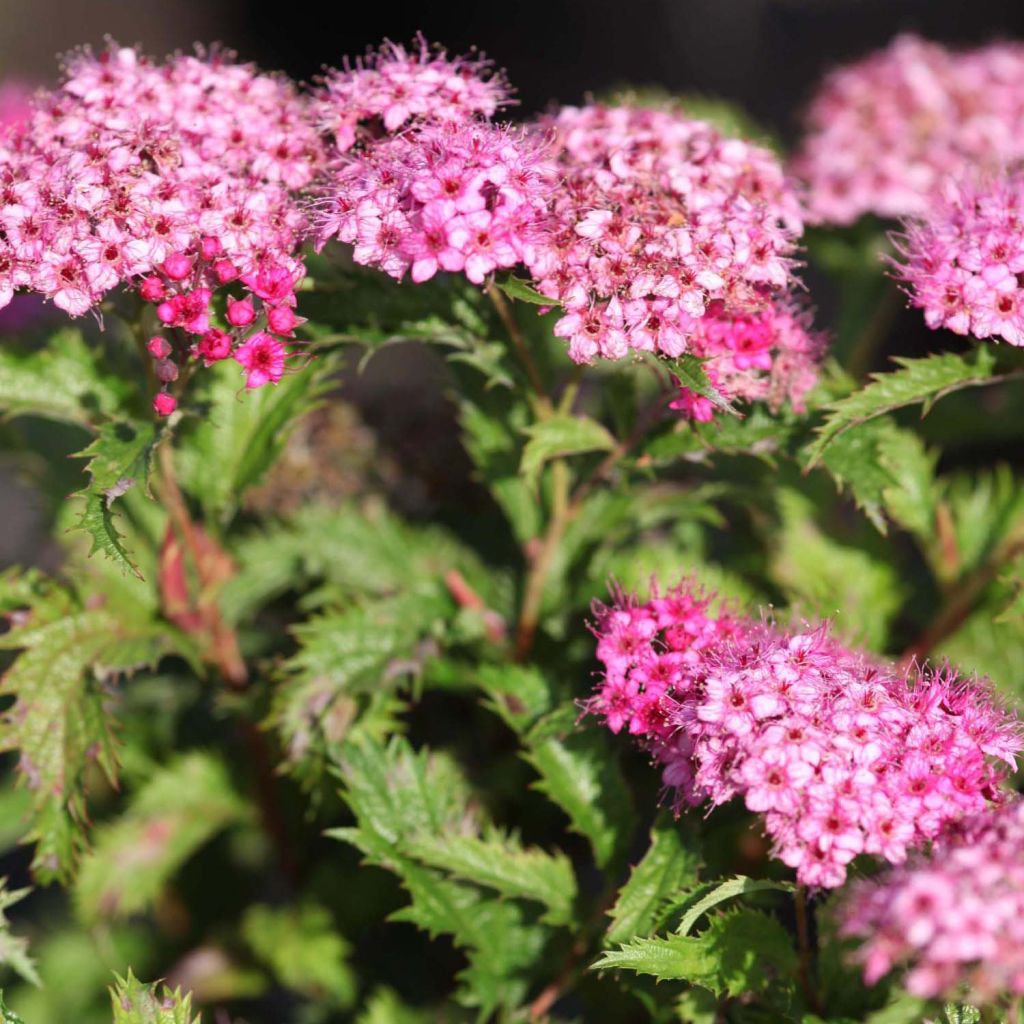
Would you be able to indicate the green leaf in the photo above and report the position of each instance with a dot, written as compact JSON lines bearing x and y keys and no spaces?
{"x":579,"y":772}
{"x":916,"y":381}
{"x":175,"y":812}
{"x":559,"y":436}
{"x":889,"y":473}
{"x":399,"y":797}
{"x":59,"y":722}
{"x":239,"y":434}
{"x":14,"y":948}
{"x":118,"y":460}
{"x":516,"y":288}
{"x":498,"y":861}
{"x":690,"y":371}
{"x":138,"y":1003}
{"x":831,"y":578}
{"x":65,"y":380}
{"x":669,"y":865}
{"x":385,"y":1007}
{"x":900,"y":1009}
{"x":738,"y":954}
{"x":8,"y":1016}
{"x":713,"y":893}
{"x":303,"y":949}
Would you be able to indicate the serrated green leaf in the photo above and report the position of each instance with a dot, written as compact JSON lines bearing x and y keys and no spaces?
{"x":713,"y":893}
{"x":399,"y":796}
{"x":59,"y":722}
{"x":239,"y":434}
{"x":690,"y":371}
{"x":65,"y":380}
{"x":669,"y":865}
{"x":916,"y":381}
{"x":738,"y":954}
{"x":560,"y":436}
{"x":8,"y":1016}
{"x":516,"y":288}
{"x":499,"y":861}
{"x":14,"y":948}
{"x":175,"y":812}
{"x":304,"y":950}
{"x":118,"y":460}
{"x":137,"y":1003}
{"x":578,"y":772}
{"x":384,"y":1007}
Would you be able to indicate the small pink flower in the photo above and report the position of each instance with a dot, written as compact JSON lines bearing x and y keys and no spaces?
{"x":158,"y":348}
{"x":164,"y":403}
{"x":263,"y":358}
{"x":240,"y":312}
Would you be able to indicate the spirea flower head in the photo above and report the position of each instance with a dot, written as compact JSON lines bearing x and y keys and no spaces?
{"x":657,"y":217}
{"x":176,"y":179}
{"x":885,"y":131}
{"x":955,"y":917}
{"x":394,"y":87}
{"x":463,"y":197}
{"x":964,"y":260}
{"x":841,"y":754}
{"x":771,"y":355}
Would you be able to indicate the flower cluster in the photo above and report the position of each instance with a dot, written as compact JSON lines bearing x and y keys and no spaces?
{"x":884,"y":132}
{"x":963,"y":262}
{"x":393,"y":87}
{"x":841,"y":754}
{"x":461,"y":196}
{"x":658,"y":216}
{"x":956,"y":916}
{"x":176,"y":179}
{"x":771,"y":355}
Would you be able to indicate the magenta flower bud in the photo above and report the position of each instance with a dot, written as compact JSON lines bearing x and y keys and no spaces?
{"x":282,"y":319}
{"x":210,"y":247}
{"x":167,"y":312}
{"x":241,"y":312}
{"x":152,"y":289}
{"x":164,"y":404}
{"x":224,"y":270}
{"x":215,"y":345}
{"x":177,"y":266}
{"x":166,"y":371}
{"x":158,"y":348}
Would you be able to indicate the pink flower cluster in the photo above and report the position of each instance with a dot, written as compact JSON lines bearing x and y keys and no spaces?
{"x":176,"y":179}
{"x":842,"y":755}
{"x":884,"y":132}
{"x":957,"y":916}
{"x":657,"y":216}
{"x":465,"y":196}
{"x":771,"y":355}
{"x":393,"y":87}
{"x":964,"y":261}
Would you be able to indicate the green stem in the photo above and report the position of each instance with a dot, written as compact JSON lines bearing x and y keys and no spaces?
{"x":803,"y":933}
{"x":508,"y":320}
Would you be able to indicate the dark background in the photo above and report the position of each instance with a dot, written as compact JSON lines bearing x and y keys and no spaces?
{"x":766,"y":54}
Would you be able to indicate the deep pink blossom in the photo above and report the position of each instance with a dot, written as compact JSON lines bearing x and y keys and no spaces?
{"x":842,"y":754}
{"x":263,"y":358}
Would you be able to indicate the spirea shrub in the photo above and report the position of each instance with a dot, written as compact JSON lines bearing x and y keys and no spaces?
{"x":316,"y":707}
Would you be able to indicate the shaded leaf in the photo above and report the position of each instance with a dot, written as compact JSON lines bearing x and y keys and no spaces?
{"x":713,"y":893}
{"x":559,"y":436}
{"x":14,"y":948}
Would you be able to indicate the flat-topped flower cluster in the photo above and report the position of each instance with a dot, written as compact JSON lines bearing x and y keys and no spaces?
{"x":956,"y":917}
{"x":842,"y":754}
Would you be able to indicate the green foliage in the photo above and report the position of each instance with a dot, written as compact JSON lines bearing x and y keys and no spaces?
{"x":175,"y":812}
{"x":59,"y":722}
{"x":402,"y":800}
{"x":669,"y":865}
{"x":516,"y":288}
{"x":303,"y":949}
{"x":711,"y":894}
{"x":66,"y":380}
{"x":917,"y":381}
{"x":118,"y":460}
{"x":8,"y":1016}
{"x":561,"y":436}
{"x":739,"y":952}
{"x":14,"y":948}
{"x":137,"y":1003}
